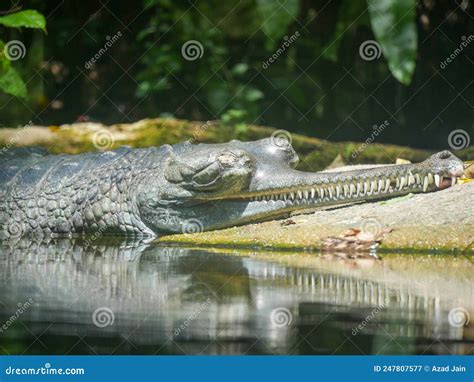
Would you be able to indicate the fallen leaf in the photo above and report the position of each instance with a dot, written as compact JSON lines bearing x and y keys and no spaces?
{"x":468,"y":172}
{"x":402,"y":161}
{"x":354,"y":240}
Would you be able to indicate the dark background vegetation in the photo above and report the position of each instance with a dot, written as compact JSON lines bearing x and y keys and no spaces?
{"x":320,"y":86}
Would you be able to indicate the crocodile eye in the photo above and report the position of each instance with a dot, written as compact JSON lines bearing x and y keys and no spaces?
{"x":206,"y":171}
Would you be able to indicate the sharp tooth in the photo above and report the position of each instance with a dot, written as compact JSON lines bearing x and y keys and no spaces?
{"x":292,"y":195}
{"x":417,"y":178}
{"x":338,"y":190}
{"x":330,"y":192}
{"x":380,"y":185}
{"x":403,"y":182}
{"x":398,"y":183}
{"x":346,"y":190}
{"x":321,"y":192}
{"x":351,"y":189}
{"x":359,"y":187}
{"x":453,"y":181}
{"x":306,"y":194}
{"x":437,"y":180}
{"x":411,"y":179}
{"x":300,"y":194}
{"x":372,"y":186}
{"x":387,"y":185}
{"x":430,"y":178}
{"x":366,"y":187}
{"x":313,"y":192}
{"x":425,"y":183}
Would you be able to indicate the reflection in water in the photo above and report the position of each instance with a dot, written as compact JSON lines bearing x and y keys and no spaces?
{"x":133,"y":298}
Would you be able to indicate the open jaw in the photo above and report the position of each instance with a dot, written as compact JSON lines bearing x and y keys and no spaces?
{"x":358,"y":189}
{"x":325,"y":189}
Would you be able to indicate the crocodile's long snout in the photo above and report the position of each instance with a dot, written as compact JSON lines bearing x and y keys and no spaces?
{"x":271,"y":194}
{"x":437,"y":172}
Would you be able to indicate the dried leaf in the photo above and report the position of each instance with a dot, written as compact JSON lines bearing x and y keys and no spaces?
{"x":402,"y":161}
{"x":354,"y":240}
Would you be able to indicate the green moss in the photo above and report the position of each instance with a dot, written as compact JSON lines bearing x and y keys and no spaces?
{"x":315,"y":154}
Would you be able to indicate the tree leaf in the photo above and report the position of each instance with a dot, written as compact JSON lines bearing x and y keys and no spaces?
{"x":277,"y":16}
{"x":11,"y":83}
{"x":5,"y":63}
{"x":28,"y":19}
{"x":393,"y":24}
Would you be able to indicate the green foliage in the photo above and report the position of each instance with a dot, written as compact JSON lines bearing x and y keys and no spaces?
{"x":233,"y":116}
{"x":11,"y":82}
{"x":28,"y":19}
{"x":276,"y":16}
{"x":393,"y":24}
{"x":223,"y":78}
{"x":10,"y":79}
{"x":225,"y":84}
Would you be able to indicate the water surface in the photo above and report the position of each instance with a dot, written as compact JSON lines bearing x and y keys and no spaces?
{"x":119,"y":297}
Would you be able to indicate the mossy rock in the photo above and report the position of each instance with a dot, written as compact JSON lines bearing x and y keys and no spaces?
{"x":315,"y":154}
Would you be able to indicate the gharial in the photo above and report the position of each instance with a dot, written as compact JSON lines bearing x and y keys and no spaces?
{"x":187,"y":188}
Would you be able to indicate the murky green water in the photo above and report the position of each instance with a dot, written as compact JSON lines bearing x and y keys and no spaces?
{"x":112,"y":297}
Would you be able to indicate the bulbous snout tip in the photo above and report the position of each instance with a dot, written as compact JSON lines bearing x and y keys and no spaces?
{"x":447,"y":163}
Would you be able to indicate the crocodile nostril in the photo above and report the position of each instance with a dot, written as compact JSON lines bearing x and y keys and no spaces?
{"x":445,"y":155}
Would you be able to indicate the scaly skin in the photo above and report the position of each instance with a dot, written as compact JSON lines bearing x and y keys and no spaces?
{"x":186,"y":188}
